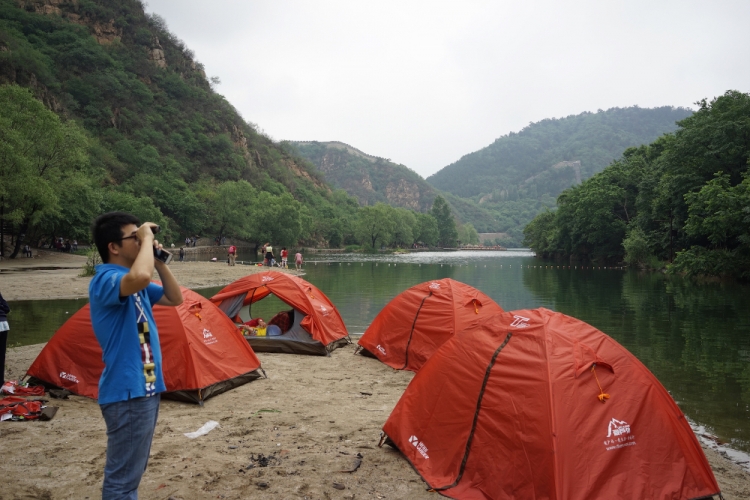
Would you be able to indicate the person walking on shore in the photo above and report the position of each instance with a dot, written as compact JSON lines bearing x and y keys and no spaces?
{"x":284,"y":256}
{"x":298,"y":261}
{"x":182,"y":254}
{"x":121,"y":295}
{"x":4,"y":328}
{"x":269,"y":254}
{"x":232,"y":254}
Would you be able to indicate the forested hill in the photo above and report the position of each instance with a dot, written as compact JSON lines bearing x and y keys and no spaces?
{"x":152,"y":134}
{"x":684,"y":199}
{"x":541,"y":158}
{"x":368,"y":178}
{"x":372,"y":179}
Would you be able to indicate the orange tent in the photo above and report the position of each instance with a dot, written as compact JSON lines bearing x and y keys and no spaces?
{"x":536,"y":404}
{"x":413,"y":325}
{"x":318,"y":327}
{"x":203,"y":353}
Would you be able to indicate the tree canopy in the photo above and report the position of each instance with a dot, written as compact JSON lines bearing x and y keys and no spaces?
{"x":684,"y":197}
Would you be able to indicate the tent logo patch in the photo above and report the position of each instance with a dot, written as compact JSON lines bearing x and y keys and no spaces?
{"x":434,"y":285}
{"x":208,"y":337}
{"x":618,"y":435}
{"x":419,"y":445}
{"x":324,"y":310}
{"x":267,"y":278}
{"x":520,"y":322}
{"x":381,"y":349}
{"x":69,"y":376}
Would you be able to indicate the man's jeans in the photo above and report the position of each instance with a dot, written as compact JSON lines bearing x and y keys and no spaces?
{"x":130,"y":428}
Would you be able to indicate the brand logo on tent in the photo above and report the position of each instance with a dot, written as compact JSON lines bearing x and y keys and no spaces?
{"x":618,"y":435}
{"x":434,"y":285}
{"x":324,"y":310}
{"x":520,"y":322}
{"x":208,"y":337}
{"x":69,"y":376}
{"x":617,"y":428}
{"x":419,"y":445}
{"x":267,"y":278}
{"x":381,"y":349}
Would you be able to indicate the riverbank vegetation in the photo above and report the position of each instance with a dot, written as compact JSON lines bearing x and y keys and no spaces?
{"x":682,"y":202}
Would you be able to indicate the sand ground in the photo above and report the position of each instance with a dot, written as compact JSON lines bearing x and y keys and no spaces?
{"x":292,"y":435}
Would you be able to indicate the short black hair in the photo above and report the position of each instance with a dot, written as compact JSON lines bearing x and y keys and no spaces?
{"x":108,"y":228}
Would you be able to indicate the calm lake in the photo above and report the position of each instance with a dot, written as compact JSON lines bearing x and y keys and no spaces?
{"x":694,"y":337}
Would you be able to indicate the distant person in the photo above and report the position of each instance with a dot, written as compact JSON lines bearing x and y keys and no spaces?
{"x":298,"y":261}
{"x":75,"y":245}
{"x":182,"y":254}
{"x":284,"y":255}
{"x":27,"y":251}
{"x":232,"y":252}
{"x":269,"y":254}
{"x":121,"y":295}
{"x":4,"y":328}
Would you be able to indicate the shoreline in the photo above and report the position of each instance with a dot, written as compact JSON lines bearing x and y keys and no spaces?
{"x":325,"y":412}
{"x":55,"y":275}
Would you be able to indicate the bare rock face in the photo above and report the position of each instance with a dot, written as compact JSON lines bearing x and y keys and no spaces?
{"x":46,"y":6}
{"x":239,"y":140}
{"x":156,"y":54}
{"x":403,"y":194}
{"x":106,"y":33}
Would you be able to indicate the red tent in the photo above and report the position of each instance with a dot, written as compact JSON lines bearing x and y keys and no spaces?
{"x":203,"y":352}
{"x":413,"y":325}
{"x":515,"y":410}
{"x":318,"y":327}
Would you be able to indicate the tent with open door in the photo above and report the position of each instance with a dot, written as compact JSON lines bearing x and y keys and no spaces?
{"x":203,"y":353}
{"x":412,"y":326}
{"x":537,"y":404}
{"x":316,"y":328}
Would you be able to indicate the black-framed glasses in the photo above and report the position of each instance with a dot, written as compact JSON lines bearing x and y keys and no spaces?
{"x":128,"y":237}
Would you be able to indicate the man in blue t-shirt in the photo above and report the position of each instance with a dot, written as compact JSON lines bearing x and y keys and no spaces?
{"x":121,"y":295}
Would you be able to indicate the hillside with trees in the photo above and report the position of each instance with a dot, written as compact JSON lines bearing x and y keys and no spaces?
{"x":103,"y":107}
{"x":520,"y":174}
{"x":684,"y":198}
{"x":372,"y":179}
{"x":368,"y":178}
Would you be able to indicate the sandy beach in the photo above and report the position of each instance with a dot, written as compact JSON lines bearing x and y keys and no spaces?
{"x":310,"y":430}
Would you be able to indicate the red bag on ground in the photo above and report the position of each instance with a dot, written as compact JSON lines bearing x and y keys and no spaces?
{"x":13,"y":387}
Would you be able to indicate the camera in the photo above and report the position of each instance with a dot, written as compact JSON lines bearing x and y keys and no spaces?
{"x":160,"y":254}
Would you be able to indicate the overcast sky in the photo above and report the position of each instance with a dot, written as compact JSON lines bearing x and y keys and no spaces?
{"x":426,"y":82}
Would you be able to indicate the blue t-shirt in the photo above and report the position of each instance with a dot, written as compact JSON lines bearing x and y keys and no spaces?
{"x":115,"y":320}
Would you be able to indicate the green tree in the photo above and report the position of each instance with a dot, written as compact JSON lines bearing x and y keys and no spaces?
{"x":467,"y":235}
{"x":447,"y":233}
{"x":406,"y":224}
{"x":637,"y":251}
{"x":374,"y":225}
{"x":427,"y":229}
{"x":40,"y":158}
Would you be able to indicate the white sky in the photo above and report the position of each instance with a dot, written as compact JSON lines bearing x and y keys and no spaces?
{"x":426,"y":82}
